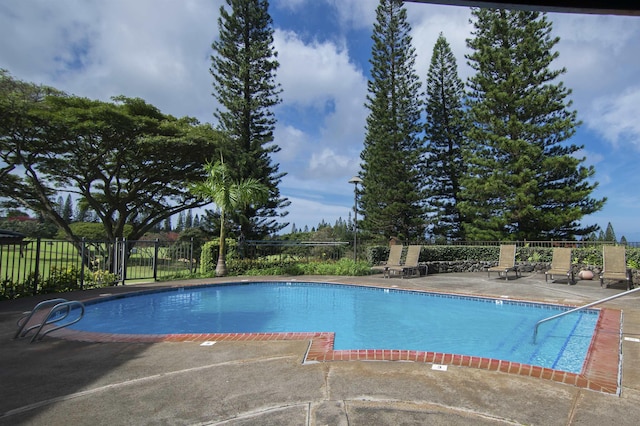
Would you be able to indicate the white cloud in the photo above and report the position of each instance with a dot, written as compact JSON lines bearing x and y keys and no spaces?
{"x":616,"y":117}
{"x":312,"y":74}
{"x":310,"y":213}
{"x":154,"y":49}
{"x":427,"y":22}
{"x":326,"y":89}
{"x":356,"y":13}
{"x":328,"y":163}
{"x":591,"y":158}
{"x":292,"y":143}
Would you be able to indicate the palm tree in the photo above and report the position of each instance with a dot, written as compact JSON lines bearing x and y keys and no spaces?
{"x":228,"y":195}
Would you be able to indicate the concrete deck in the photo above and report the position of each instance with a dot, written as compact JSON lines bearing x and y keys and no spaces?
{"x":59,"y":381}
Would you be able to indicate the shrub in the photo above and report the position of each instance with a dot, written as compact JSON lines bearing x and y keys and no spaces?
{"x":99,"y":278}
{"x":209,"y":255}
{"x":60,"y":280}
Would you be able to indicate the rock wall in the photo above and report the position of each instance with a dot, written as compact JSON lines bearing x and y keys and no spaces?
{"x":481,"y":266}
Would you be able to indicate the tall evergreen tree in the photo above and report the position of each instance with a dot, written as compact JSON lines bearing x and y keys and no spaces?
{"x":244,"y":67}
{"x":188,"y":220}
{"x":59,"y":206}
{"x":524,"y":180}
{"x":80,"y":212}
{"x":444,"y":132}
{"x":392,"y":196}
{"x":67,"y":210}
{"x":609,"y":233}
{"x":181,"y":220}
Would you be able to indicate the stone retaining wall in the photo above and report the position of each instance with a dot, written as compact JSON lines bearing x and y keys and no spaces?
{"x":441,"y":267}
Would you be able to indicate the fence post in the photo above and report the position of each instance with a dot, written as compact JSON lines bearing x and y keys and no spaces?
{"x":156,"y":249}
{"x":36,"y":273}
{"x":113,"y":257}
{"x":191,"y":265}
{"x":124,"y":260}
{"x":82,"y":254}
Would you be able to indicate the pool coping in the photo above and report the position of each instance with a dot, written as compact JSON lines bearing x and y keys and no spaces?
{"x":601,"y":371}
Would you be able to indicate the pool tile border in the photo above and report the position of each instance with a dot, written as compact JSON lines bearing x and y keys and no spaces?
{"x":601,"y":371}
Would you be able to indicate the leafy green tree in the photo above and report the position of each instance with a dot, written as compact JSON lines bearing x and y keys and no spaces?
{"x":244,"y":68}
{"x":18,"y":127}
{"x":392,"y":196}
{"x":444,"y":131}
{"x":128,"y":162}
{"x":228,"y":195}
{"x":524,"y":179}
{"x":29,"y":227}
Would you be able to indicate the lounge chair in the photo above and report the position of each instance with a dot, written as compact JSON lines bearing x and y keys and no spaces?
{"x":395,"y":253}
{"x":507,"y":261}
{"x":614,"y":266}
{"x":561,"y":264}
{"x":410,"y":267}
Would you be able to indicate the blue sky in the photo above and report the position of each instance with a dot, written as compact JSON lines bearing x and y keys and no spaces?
{"x":159,"y":50}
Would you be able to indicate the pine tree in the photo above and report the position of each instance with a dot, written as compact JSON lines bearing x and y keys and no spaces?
{"x":609,"y":234}
{"x":59,"y":206}
{"x":524,"y":180}
{"x":180,"y":224}
{"x":444,"y":131}
{"x":188,"y":220}
{"x":392,"y":196}
{"x":67,"y":210}
{"x":244,"y":67}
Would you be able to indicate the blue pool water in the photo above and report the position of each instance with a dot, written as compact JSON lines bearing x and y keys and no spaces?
{"x":361,"y":317}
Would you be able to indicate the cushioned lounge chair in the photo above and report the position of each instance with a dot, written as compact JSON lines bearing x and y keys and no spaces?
{"x":561,"y":264}
{"x":507,"y":261}
{"x":614,"y":266}
{"x":410,"y":266}
{"x":395,"y":254}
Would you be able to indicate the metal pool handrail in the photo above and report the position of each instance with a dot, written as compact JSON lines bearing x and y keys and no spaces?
{"x":597,"y":302}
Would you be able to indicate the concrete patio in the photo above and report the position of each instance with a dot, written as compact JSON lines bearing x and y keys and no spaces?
{"x":60,"y":381}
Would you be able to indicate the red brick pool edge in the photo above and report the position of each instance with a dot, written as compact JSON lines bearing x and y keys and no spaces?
{"x":601,"y":371}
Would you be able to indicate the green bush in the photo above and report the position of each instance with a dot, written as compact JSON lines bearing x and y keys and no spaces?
{"x":209,"y":255}
{"x":60,"y":280}
{"x":341,"y":267}
{"x":99,"y":278}
{"x":275,"y":266}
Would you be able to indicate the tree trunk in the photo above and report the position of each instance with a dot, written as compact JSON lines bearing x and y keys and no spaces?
{"x":221,"y":266}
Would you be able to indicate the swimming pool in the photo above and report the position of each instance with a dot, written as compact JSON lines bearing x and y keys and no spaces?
{"x":360,"y":317}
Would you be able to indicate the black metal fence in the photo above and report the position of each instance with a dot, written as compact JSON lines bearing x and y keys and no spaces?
{"x":43,"y":265}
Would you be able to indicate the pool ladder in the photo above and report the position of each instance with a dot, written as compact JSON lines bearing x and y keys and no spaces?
{"x":597,"y":302}
{"x":59,"y":310}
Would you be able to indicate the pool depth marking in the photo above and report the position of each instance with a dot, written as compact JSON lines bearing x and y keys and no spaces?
{"x":601,"y":370}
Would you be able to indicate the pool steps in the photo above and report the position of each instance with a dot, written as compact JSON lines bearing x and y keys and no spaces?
{"x":60,"y":309}
{"x":597,"y":302}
